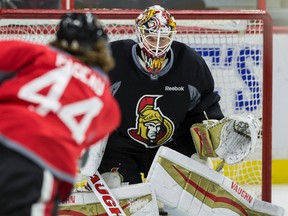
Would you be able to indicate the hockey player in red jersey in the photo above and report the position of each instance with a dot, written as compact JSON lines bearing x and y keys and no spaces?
{"x":55,"y":103}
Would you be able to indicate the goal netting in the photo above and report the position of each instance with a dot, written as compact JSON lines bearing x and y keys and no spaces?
{"x":236,"y":46}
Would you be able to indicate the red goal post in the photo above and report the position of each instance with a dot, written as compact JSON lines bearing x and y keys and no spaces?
{"x":237,"y":46}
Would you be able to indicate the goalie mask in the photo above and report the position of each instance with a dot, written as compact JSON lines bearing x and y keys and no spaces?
{"x":155,"y":29}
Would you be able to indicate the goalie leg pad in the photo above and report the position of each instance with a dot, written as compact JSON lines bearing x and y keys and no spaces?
{"x":91,"y":159}
{"x":207,"y":161}
{"x":136,"y":200}
{"x":113,"y":180}
{"x":191,"y":188}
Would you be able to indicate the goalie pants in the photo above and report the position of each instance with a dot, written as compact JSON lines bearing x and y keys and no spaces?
{"x":129,"y":158}
{"x":26,"y":189}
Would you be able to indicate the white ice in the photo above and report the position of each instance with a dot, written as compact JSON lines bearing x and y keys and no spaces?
{"x":280,"y":196}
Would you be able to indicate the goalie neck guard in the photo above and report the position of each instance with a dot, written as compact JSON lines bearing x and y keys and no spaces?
{"x":155,"y":29}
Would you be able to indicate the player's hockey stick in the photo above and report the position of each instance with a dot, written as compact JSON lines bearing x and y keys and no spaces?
{"x":104,"y":195}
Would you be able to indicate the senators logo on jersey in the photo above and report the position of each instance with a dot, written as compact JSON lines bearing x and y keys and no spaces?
{"x":152,"y":128}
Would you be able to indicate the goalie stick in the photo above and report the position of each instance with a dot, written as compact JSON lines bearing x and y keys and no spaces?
{"x":104,"y":195}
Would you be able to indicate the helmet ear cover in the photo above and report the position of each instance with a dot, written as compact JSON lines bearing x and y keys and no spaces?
{"x":83,"y":28}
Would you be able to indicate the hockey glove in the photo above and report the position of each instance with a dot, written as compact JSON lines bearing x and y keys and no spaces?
{"x":231,"y":139}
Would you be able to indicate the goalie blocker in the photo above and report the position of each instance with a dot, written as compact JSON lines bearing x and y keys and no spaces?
{"x":189,"y":188}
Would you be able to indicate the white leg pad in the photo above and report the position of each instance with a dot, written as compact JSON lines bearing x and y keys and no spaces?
{"x":135,"y":200}
{"x":190,"y":188}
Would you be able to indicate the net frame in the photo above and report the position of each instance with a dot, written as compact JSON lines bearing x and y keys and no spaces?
{"x":192,"y":15}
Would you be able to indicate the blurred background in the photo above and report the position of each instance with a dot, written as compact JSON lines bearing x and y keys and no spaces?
{"x":277,"y":8}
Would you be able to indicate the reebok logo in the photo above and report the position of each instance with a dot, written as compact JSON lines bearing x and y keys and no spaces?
{"x":174,"y":88}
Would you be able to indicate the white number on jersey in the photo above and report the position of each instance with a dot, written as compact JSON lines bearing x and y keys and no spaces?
{"x":57,"y":80}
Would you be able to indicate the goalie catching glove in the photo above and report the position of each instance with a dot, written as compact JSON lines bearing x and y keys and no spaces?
{"x":231,"y":139}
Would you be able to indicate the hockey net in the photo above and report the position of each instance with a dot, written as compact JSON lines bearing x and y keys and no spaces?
{"x":236,"y":46}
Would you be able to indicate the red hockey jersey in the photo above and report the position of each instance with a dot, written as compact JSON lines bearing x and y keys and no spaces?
{"x":52,"y":106}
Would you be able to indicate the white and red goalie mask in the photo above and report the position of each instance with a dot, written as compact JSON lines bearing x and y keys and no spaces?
{"x":155,"y":29}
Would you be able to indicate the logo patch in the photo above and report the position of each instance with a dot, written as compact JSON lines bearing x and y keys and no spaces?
{"x":152,"y":128}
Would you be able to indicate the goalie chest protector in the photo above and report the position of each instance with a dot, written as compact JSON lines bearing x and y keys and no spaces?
{"x":153,"y":110}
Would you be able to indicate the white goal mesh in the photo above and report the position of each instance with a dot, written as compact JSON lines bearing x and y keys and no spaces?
{"x":236,"y":46}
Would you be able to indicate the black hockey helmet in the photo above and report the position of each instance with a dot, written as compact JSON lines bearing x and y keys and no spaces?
{"x":84,"y":28}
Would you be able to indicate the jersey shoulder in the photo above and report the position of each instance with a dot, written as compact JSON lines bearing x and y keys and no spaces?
{"x":185,"y":51}
{"x":190,"y":62}
{"x":121,"y":47}
{"x":122,"y":53}
{"x":122,"y":50}
{"x":186,"y":55}
{"x":27,"y":54}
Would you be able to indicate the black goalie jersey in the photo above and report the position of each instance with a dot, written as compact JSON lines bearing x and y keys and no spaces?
{"x":159,"y":109}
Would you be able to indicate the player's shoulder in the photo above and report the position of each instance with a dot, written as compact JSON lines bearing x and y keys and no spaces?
{"x":41,"y":54}
{"x":23,"y":45}
{"x":186,"y":53}
{"x":125,"y":43}
{"x":180,"y":47}
{"x":122,"y":49}
{"x":16,"y":42}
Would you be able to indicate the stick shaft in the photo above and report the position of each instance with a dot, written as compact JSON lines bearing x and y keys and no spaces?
{"x":104,"y":195}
